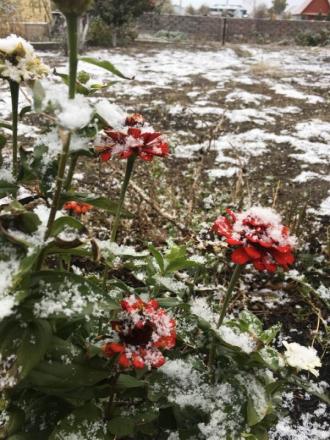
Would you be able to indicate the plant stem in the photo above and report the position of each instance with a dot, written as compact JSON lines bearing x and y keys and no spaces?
{"x":14,"y":91}
{"x":59,"y":184}
{"x":233,"y":281}
{"x":128,"y":173}
{"x":72,"y":167}
{"x":234,"y":278}
{"x":72,"y":22}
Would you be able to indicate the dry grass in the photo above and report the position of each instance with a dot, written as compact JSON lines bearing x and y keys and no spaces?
{"x":265,"y":69}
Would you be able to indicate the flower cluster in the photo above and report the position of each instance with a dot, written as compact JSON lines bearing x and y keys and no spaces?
{"x":133,"y":138}
{"x":77,"y":207}
{"x":142,"y":329}
{"x":260,"y":237}
{"x":18,"y":61}
{"x":302,"y":358}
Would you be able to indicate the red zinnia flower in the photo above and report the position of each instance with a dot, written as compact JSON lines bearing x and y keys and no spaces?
{"x":261,"y":238}
{"x":146,"y":144}
{"x":143,"y":329}
{"x":77,"y":207}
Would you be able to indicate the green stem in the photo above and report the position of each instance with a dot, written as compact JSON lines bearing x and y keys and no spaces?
{"x":14,"y":91}
{"x":59,"y":184}
{"x":72,"y":22}
{"x":233,"y":281}
{"x":129,"y":169}
{"x":72,"y":167}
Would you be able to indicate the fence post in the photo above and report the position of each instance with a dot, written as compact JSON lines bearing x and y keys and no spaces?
{"x":224,"y":31}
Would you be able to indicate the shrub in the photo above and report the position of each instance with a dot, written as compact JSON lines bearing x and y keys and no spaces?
{"x":100,"y":34}
{"x":310,"y":38}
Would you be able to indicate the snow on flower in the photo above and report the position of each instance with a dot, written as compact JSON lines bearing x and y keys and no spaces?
{"x":133,"y":136}
{"x":142,"y":329}
{"x":112,"y":114}
{"x":75,"y":114}
{"x":146,"y":144}
{"x":18,"y":61}
{"x":302,"y":358}
{"x":260,"y":236}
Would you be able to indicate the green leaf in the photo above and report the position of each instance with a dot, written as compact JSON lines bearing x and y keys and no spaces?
{"x":29,"y":222}
{"x":80,"y":88}
{"x":258,"y":400}
{"x":271,"y":358}
{"x":121,"y":426}
{"x":7,"y":188}
{"x":104,"y":65}
{"x":169,"y":302}
{"x":57,"y":375}
{"x":158,"y":257}
{"x":311,"y":388}
{"x":7,"y":125}
{"x":126,"y":381}
{"x":79,"y":295}
{"x":250,"y":323}
{"x":27,"y":342}
{"x":3,"y":141}
{"x":26,"y":109}
{"x":267,"y":336}
{"x":33,"y":347}
{"x":83,"y":423}
{"x":14,"y":424}
{"x":65,"y":222}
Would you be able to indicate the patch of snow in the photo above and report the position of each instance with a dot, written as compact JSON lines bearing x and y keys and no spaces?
{"x":242,"y":340}
{"x":246,"y":97}
{"x":291,"y":92}
{"x":305,"y":176}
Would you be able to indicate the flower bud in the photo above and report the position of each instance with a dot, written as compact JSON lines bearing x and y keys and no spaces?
{"x":77,"y":7}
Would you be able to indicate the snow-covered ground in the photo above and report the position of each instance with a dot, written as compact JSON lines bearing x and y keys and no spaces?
{"x":274,"y":104}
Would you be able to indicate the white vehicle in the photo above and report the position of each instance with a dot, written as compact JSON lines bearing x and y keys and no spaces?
{"x":228,"y":10}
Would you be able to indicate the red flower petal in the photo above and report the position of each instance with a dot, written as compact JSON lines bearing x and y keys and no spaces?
{"x":150,"y":137}
{"x":259,"y":265}
{"x":252,"y":252}
{"x":223,"y":227}
{"x":106,"y":156}
{"x":116,"y":348}
{"x":135,"y":132}
{"x":153,"y":303}
{"x":239,"y":256}
{"x":271,"y":267}
{"x":231,"y":214}
{"x":159,"y":362}
{"x":123,"y":361}
{"x":137,"y":361}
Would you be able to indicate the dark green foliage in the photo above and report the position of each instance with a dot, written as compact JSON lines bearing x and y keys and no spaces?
{"x":308,"y":38}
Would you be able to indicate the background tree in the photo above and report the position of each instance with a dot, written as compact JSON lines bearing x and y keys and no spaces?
{"x":203,"y":10}
{"x":164,"y":7}
{"x":261,"y":11}
{"x":279,"y":6}
{"x":119,"y":13}
{"x":190,"y":10}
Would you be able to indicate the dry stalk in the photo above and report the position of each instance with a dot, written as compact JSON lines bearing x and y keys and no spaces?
{"x":213,"y":133}
{"x":275,"y":194}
